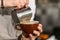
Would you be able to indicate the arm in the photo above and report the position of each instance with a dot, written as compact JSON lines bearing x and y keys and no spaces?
{"x":14,"y":3}
{"x":8,"y":3}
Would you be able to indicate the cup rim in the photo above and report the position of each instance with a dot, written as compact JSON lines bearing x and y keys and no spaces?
{"x":31,"y":22}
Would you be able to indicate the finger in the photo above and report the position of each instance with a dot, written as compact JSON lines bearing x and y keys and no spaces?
{"x":18,"y":27}
{"x":36,"y":33}
{"x":27,"y":3}
{"x":31,"y":36}
{"x":18,"y":6}
{"x":40,"y":27}
{"x":23,"y":36}
{"x":22,"y":2}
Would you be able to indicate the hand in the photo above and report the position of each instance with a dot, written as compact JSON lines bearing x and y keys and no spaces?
{"x":16,"y":3}
{"x":32,"y":37}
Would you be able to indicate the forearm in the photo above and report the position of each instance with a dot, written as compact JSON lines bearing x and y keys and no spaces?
{"x":8,"y":3}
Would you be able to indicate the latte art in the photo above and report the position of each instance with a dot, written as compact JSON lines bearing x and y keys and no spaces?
{"x":29,"y":22}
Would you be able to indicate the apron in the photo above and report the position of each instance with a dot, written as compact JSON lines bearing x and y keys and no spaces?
{"x":7,"y":30}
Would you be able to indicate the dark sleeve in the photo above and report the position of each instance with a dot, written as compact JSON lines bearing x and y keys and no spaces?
{"x":19,"y":38}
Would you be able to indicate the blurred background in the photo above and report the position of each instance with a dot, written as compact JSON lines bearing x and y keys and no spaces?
{"x":48,"y":14}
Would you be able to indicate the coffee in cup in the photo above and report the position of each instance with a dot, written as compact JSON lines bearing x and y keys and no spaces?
{"x":28,"y":27}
